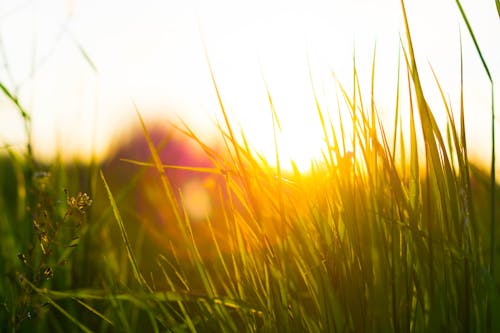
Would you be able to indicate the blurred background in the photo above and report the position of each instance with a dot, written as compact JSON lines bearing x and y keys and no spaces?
{"x":79,"y":67}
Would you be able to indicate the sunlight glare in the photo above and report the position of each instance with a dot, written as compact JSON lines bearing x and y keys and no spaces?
{"x":196,"y":199}
{"x":153,"y":54}
{"x":271,"y":56}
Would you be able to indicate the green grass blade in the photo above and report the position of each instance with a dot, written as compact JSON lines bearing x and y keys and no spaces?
{"x":16,"y":102}
{"x":68,"y":315}
{"x":94,"y":311}
{"x":135,"y":268}
{"x":493,"y":157}
{"x":474,"y":40}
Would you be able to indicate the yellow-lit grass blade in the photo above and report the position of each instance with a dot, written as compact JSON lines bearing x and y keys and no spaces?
{"x":439,"y":183}
{"x":396,"y":115}
{"x":233,"y":147}
{"x":135,"y":268}
{"x":336,"y":147}
{"x":465,"y":172}
{"x":451,"y":119}
{"x":463,"y":139}
{"x":215,"y":157}
{"x":461,"y":159}
{"x":441,"y":177}
{"x":373,"y":117}
{"x":322,"y":120}
{"x":232,"y":138}
{"x":430,"y":129}
{"x":167,"y":188}
{"x":214,"y":171}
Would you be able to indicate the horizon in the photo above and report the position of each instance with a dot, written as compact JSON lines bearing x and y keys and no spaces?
{"x":152,"y":55}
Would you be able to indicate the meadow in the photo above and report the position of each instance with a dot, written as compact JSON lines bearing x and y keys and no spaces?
{"x":393,"y":230}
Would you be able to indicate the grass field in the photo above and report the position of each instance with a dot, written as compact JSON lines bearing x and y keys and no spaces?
{"x":375,"y":237}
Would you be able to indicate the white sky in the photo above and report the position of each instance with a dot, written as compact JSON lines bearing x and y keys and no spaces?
{"x":151,"y":52}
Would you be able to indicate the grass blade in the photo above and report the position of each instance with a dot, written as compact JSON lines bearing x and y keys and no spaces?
{"x":493,"y":157}
{"x":68,"y":315}
{"x":167,"y":188}
{"x":135,"y":268}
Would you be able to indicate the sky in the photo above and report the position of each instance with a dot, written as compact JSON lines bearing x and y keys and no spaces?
{"x":79,"y":67}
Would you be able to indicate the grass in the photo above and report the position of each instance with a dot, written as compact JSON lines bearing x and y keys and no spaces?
{"x":377,"y":238}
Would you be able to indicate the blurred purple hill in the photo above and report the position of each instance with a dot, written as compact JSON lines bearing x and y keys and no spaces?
{"x":141,"y":196}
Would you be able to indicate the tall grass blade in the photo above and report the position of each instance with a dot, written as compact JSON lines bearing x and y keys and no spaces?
{"x":135,"y":268}
{"x":94,"y":311}
{"x":68,"y":315}
{"x":167,"y":188}
{"x":396,"y":108}
{"x":474,"y":40}
{"x":24,"y":115}
{"x":493,"y":157}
